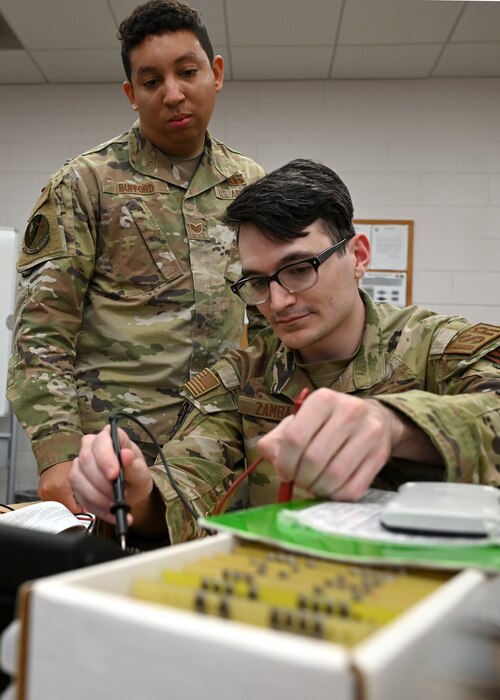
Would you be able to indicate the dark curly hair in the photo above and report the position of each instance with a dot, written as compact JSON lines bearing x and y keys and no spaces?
{"x":158,"y":17}
{"x":291,"y":198}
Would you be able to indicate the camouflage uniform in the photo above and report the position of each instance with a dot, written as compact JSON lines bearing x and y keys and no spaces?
{"x":442,"y":372}
{"x":124,"y":290}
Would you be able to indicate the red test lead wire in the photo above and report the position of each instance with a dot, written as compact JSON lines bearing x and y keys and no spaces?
{"x":223,"y":500}
{"x":285,"y":491}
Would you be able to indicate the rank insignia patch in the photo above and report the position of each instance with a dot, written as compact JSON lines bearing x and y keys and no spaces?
{"x":37,"y":235}
{"x":196,"y":228}
{"x":202,"y":382}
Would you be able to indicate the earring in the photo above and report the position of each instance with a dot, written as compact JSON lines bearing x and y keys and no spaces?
{"x":134,"y":107}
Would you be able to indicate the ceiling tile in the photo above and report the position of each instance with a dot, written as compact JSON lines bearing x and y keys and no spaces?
{"x":122,"y":8}
{"x":296,"y":38}
{"x":479,"y":22}
{"x":469,"y":61}
{"x":281,"y":63}
{"x":397,"y":21}
{"x":282,"y":22}
{"x":8,"y":40}
{"x":212,"y":15}
{"x":61,"y":24}
{"x":80,"y":65}
{"x":379,"y":62}
{"x":211,"y":11}
{"x":16,"y":67}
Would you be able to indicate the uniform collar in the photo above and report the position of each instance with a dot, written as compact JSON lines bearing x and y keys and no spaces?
{"x":283,"y":376}
{"x":366,"y":369}
{"x":216,"y":164}
{"x":369,"y":364}
{"x":142,"y":153}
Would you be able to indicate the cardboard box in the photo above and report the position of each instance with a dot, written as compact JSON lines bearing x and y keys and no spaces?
{"x":85,"y":638}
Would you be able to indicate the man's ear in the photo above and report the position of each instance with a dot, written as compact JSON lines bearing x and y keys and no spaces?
{"x":361,"y":254}
{"x":129,"y":91}
{"x":218,"y":69}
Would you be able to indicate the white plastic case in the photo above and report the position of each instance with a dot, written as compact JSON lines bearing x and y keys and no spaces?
{"x":469,"y":509}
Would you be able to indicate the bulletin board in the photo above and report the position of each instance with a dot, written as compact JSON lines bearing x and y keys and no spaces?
{"x":390,"y":275}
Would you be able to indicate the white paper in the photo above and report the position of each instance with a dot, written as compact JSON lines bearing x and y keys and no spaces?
{"x":47,"y":516}
{"x":389,"y":247}
{"x":362,"y":520}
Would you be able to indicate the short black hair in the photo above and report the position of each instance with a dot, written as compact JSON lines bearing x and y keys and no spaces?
{"x":291,"y":198}
{"x":158,"y":17}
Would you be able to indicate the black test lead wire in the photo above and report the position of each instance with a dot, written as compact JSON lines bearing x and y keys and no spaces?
{"x":113,"y":420}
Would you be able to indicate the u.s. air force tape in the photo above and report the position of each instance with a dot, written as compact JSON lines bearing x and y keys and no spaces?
{"x":202,"y":382}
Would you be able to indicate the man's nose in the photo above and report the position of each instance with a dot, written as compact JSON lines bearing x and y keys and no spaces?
{"x":173,"y":93}
{"x":279,"y":297}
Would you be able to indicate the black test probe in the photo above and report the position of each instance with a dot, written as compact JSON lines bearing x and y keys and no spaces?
{"x":121,"y":507}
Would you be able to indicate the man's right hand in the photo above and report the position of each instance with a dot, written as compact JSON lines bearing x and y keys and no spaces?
{"x":97,"y":466}
{"x":54,"y":485}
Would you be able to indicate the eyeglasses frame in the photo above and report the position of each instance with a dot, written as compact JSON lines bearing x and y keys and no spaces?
{"x":315,"y":261}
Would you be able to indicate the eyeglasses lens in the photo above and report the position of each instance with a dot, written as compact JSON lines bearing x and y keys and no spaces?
{"x":296,"y":278}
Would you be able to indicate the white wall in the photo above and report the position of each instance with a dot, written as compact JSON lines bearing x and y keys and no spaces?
{"x":427,"y":150}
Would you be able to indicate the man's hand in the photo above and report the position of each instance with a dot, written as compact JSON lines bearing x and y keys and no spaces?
{"x":54,"y":485}
{"x":336,"y":444}
{"x":96,"y":467}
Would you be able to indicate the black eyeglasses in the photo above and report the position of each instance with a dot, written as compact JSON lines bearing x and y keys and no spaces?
{"x":296,"y":277}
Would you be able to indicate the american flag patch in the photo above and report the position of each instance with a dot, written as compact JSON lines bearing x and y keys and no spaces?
{"x":202,"y":382}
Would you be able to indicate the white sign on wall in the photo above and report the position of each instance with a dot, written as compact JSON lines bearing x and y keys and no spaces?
{"x":9,"y":242}
{"x":385,"y":286}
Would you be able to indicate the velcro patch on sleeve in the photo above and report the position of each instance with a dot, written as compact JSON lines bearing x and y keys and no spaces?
{"x":202,"y":382}
{"x":472,"y":339}
{"x":43,"y":239}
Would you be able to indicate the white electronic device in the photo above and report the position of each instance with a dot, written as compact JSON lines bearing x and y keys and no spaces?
{"x":445,"y":508}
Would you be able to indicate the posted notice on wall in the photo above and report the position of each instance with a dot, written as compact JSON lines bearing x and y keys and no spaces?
{"x":389,"y":243}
